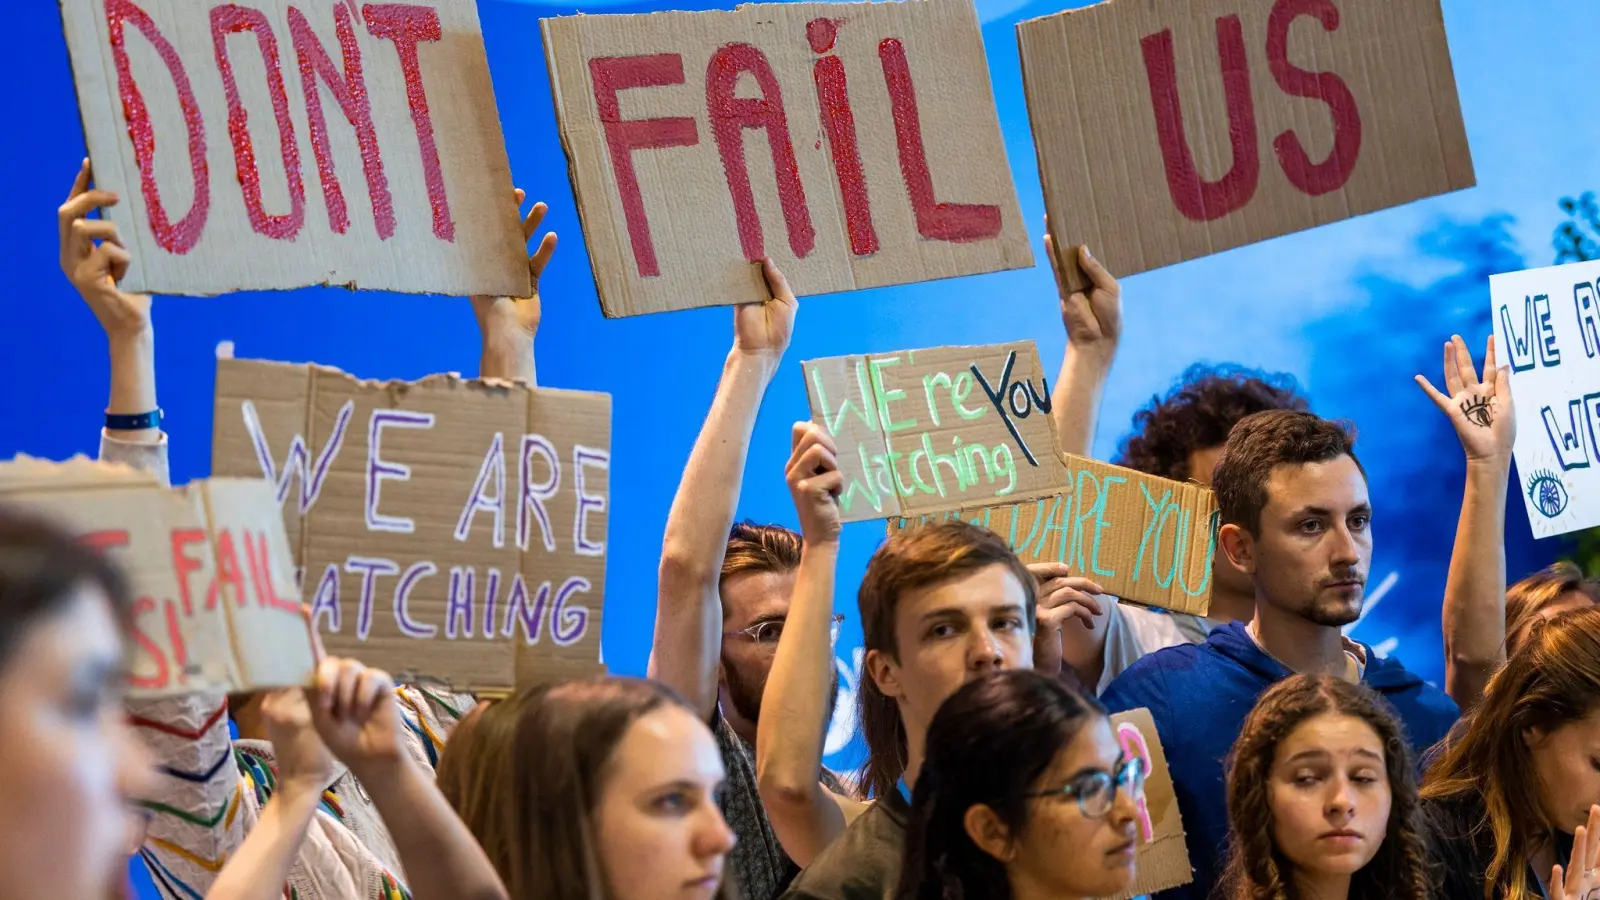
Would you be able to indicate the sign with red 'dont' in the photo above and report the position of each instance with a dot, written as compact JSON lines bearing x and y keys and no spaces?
{"x":273,"y":144}
{"x":1172,"y":129}
{"x":856,"y":144}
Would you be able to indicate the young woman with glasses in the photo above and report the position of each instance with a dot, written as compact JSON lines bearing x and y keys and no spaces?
{"x":1025,"y":793}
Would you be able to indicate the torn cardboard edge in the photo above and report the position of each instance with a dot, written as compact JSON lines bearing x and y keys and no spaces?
{"x":1163,"y":856}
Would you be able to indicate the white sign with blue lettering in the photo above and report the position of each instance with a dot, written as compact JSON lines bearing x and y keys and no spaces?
{"x":1547,"y":330}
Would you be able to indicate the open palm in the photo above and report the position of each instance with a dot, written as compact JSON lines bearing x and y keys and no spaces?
{"x":1480,"y":409}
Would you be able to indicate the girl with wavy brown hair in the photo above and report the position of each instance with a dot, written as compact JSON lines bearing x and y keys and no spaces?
{"x":1322,"y":802}
{"x":1514,"y":790}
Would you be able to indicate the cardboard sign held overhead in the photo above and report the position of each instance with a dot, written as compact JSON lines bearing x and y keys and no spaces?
{"x":1172,"y":129}
{"x":1547,"y":329}
{"x":447,"y":529}
{"x":1145,"y":539}
{"x":273,"y":144}
{"x":1163,"y":860}
{"x":929,"y":430}
{"x":209,"y":567}
{"x":856,"y":144}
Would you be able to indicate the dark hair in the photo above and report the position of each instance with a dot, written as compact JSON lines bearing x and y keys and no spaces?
{"x":1550,"y":681}
{"x":537,"y":826}
{"x":988,"y":744}
{"x":1264,"y":441}
{"x":760,"y":548}
{"x":1526,"y":599}
{"x":1198,"y":413}
{"x":920,"y":557}
{"x":40,"y":565}
{"x":1257,"y":870}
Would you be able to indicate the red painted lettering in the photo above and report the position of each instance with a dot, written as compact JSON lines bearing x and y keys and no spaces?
{"x":833,"y":98}
{"x":228,"y":570}
{"x":350,"y":92}
{"x":142,"y":607}
{"x":1202,"y":201}
{"x":730,"y":115}
{"x":180,"y":651}
{"x":102,"y":541}
{"x":955,"y":222}
{"x":407,"y":26}
{"x":259,"y":553}
{"x":611,"y":75}
{"x":181,"y":237}
{"x":1331,"y":174}
{"x":183,"y":564}
{"x":231,"y":19}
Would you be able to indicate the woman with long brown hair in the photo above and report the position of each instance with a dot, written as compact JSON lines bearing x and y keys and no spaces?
{"x":1542,"y":596}
{"x":1514,"y":791}
{"x":605,"y":788}
{"x":1322,"y":799}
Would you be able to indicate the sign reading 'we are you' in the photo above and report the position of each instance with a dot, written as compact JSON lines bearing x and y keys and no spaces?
{"x":1547,"y":328}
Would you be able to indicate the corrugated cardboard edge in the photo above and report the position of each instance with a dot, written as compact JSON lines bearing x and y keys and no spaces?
{"x":31,"y":473}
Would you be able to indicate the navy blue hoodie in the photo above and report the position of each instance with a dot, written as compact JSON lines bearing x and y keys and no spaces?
{"x":1199,"y":695}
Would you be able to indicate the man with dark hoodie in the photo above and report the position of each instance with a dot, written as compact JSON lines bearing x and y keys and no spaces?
{"x":1297,"y":519}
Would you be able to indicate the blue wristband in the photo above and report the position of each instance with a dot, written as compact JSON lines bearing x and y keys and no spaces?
{"x":138,"y":422}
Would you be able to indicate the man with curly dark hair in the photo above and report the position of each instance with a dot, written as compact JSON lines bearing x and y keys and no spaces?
{"x":1179,"y":436}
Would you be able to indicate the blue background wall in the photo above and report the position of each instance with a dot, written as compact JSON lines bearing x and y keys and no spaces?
{"x":1352,"y":309}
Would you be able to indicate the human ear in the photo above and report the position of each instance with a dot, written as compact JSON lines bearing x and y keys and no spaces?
{"x":986,"y":830}
{"x":883,"y":671}
{"x":1239,"y":546}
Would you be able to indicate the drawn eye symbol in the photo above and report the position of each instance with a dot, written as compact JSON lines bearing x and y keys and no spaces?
{"x":1477,"y":411}
{"x":1548,"y":494}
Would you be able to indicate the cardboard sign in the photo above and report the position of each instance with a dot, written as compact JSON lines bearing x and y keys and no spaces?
{"x":1145,"y":539}
{"x":215,"y":605}
{"x":446,"y":529}
{"x":928,"y":430}
{"x":1172,"y":129}
{"x":856,"y":144}
{"x":1547,"y":329}
{"x":1163,"y":860}
{"x":272,"y":144}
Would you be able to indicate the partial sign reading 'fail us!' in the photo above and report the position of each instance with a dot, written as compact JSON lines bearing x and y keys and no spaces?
{"x":453,"y":529}
{"x":856,"y":144}
{"x":270,"y":144}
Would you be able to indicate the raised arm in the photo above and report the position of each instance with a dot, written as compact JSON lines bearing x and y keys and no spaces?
{"x":358,"y":716}
{"x":794,"y":707}
{"x":1474,"y":616}
{"x":1094,"y":327}
{"x":688,"y":638}
{"x":260,"y":868}
{"x":508,"y":324}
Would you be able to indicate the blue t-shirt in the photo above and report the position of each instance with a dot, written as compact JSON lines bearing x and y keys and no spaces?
{"x":1199,"y":696}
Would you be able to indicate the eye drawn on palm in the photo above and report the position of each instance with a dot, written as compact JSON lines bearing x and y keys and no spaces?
{"x":1480,"y":409}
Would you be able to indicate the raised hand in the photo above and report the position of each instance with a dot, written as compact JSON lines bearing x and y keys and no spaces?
{"x":355,"y":710}
{"x":815,"y":482}
{"x":764,"y":329}
{"x":1480,"y":410}
{"x":1094,"y":319}
{"x":1062,"y":596}
{"x":1578,"y":880}
{"x":522,"y":312}
{"x":303,"y":759}
{"x":94,"y":259}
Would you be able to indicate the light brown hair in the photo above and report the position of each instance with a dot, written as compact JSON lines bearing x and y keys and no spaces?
{"x":1256,"y":869}
{"x":40,"y":566}
{"x":1551,"y":681}
{"x":537,"y":766}
{"x":918,"y":558}
{"x":1526,"y":599}
{"x":1264,"y":441}
{"x":760,"y":548}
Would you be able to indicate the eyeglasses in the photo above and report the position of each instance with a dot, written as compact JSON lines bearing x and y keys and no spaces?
{"x":766,"y":634}
{"x":1097,"y":791}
